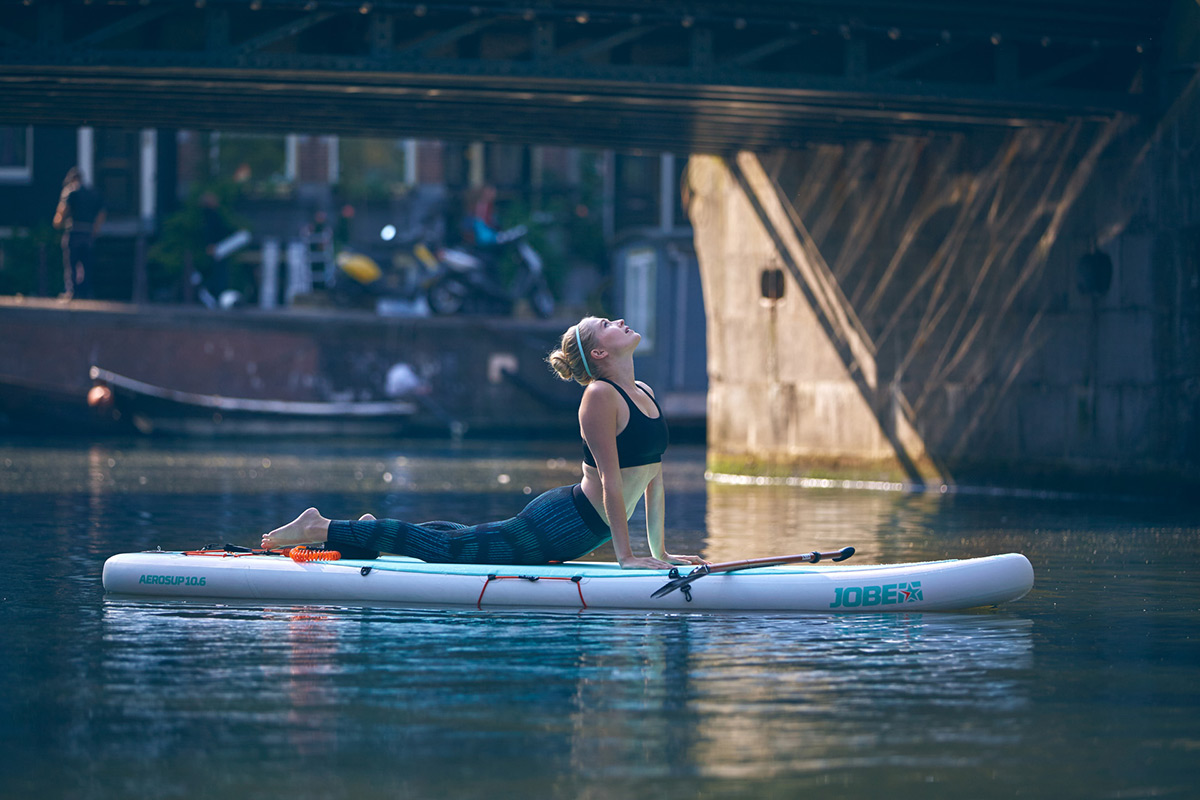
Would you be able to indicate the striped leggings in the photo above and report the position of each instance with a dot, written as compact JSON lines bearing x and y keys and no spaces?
{"x":556,"y":526}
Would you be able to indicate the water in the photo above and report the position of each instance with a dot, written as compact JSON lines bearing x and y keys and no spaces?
{"x":1086,"y":688}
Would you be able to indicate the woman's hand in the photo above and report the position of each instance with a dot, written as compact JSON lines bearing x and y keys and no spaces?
{"x":638,"y":562}
{"x":697,"y":560}
{"x":666,"y":562}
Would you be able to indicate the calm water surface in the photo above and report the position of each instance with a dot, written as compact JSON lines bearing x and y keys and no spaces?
{"x":1089,"y":687}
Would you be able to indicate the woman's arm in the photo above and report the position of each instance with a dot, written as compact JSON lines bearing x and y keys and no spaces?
{"x":60,"y":213}
{"x":598,"y":420}
{"x":656,"y":505}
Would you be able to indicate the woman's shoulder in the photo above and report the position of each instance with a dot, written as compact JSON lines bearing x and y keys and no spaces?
{"x":645,"y":387}
{"x":600,"y":390}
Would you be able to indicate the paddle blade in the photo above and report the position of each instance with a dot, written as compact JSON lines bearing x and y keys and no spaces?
{"x":680,"y":580}
{"x":666,"y":588}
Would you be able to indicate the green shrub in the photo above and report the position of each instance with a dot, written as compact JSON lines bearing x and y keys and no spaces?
{"x":22,"y":256}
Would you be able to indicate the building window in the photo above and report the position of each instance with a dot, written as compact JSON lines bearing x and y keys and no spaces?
{"x":372,"y":170}
{"x":637,"y":188}
{"x":256,"y":162}
{"x":117,"y":175}
{"x":16,"y":153}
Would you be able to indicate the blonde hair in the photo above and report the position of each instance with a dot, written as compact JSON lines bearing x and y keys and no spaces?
{"x":567,"y":360}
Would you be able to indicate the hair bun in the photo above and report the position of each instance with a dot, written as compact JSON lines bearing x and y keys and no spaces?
{"x":561,"y":364}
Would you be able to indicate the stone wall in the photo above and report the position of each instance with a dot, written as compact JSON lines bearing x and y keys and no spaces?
{"x":1016,"y":306}
{"x":487,"y":374}
{"x":791,"y":380}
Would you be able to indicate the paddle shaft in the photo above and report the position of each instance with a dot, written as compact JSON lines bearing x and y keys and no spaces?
{"x":813,"y":557}
{"x":683,"y":581}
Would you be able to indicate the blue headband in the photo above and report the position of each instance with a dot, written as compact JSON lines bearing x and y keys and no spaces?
{"x":579,"y":342}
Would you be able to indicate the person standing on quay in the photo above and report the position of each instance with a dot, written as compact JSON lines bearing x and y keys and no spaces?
{"x":80,"y":214}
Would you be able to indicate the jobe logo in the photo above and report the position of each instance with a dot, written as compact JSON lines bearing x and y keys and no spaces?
{"x":172,"y":580}
{"x":889,"y":594}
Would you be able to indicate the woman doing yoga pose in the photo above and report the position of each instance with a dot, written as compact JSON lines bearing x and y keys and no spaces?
{"x":624,"y":437}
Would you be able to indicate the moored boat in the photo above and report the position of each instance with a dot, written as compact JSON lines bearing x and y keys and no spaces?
{"x":925,"y":586}
{"x":155,"y":409}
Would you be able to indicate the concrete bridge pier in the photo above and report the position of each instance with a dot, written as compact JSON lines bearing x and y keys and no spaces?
{"x":793,"y":377}
{"x":1017,"y":307}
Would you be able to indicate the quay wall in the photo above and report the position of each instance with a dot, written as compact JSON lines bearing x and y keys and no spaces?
{"x":486,"y":374}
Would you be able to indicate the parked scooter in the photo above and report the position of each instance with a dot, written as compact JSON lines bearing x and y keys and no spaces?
{"x":394,"y":277}
{"x":470,"y":281}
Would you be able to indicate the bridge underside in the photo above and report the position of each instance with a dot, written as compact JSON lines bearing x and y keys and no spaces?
{"x":697,"y":77}
{"x":966,"y":242}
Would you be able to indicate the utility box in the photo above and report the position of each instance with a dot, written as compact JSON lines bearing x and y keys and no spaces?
{"x":658,"y":292}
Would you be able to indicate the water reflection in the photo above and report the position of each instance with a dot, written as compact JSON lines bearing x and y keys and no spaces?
{"x":752,"y":521}
{"x":602,"y":696}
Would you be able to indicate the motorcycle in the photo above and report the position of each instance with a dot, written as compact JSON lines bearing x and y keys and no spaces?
{"x":394,"y":277}
{"x":469,"y":280}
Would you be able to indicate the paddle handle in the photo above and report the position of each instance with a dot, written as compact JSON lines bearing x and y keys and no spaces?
{"x":811,"y":558}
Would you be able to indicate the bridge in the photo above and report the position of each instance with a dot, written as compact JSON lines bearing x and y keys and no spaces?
{"x":697,"y":76}
{"x":939,"y":240}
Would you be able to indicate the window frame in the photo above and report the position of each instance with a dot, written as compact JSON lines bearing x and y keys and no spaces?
{"x":20,"y":175}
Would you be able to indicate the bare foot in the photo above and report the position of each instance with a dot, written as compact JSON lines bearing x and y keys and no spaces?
{"x":308,"y":527}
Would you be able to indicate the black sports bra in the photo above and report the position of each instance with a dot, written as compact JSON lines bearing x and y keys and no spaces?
{"x":643,"y":441}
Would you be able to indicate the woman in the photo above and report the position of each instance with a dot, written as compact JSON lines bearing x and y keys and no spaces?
{"x":624,"y":436}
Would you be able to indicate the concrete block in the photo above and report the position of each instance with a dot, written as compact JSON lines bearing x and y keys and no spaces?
{"x":1125,"y":421}
{"x":1062,"y":358}
{"x":1134,"y":270}
{"x":1106,"y":430}
{"x":1137,"y":421}
{"x":1043,"y":416}
{"x":1126,"y":348}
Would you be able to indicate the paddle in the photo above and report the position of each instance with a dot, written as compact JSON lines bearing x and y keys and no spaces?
{"x":682,"y":581}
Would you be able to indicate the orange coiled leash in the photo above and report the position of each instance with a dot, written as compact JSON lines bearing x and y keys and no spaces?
{"x":301,"y":553}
